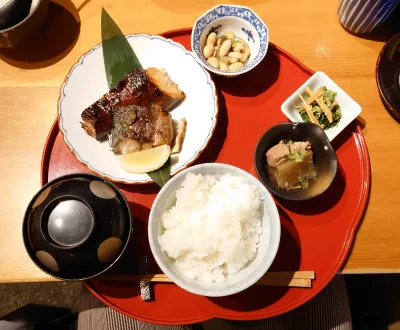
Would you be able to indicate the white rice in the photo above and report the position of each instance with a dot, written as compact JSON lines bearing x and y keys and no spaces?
{"x":214,"y":228}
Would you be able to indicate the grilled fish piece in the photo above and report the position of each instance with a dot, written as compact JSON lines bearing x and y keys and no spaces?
{"x":140,"y":87}
{"x":138,"y":127}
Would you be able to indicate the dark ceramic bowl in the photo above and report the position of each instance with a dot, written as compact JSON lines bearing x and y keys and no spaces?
{"x":13,"y":12}
{"x":387,"y":75}
{"x":77,"y":226}
{"x":13,"y":30}
{"x":325,"y":159}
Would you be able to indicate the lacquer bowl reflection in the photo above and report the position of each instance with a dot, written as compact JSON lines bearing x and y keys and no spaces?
{"x":253,"y":271}
{"x":324,"y":155}
{"x":77,"y":226}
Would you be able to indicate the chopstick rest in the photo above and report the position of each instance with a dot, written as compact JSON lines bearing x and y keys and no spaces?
{"x":144,"y":284}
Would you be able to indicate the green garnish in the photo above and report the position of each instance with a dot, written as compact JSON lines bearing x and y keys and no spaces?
{"x":304,"y":181}
{"x":329,"y":100}
{"x":289,"y":144}
{"x":329,"y":95}
{"x":297,"y":156}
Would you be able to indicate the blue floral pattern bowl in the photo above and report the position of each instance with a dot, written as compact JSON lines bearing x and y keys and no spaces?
{"x":243,"y":22}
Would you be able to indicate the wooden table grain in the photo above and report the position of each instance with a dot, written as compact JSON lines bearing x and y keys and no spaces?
{"x":307,"y":29}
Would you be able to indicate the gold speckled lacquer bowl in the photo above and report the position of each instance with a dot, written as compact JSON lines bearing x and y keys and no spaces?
{"x":325,"y":159}
{"x":77,"y":226}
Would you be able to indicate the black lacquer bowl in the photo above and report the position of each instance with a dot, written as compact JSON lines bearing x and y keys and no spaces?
{"x":324,"y":155}
{"x":77,"y":226}
{"x":20,"y":20}
{"x":388,"y":75}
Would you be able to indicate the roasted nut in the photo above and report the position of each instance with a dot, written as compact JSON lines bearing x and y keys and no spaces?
{"x":225,"y":47}
{"x":208,"y":51}
{"x":227,"y":53}
{"x":229,"y":35}
{"x":223,"y":66}
{"x":235,"y":55}
{"x":235,"y":66}
{"x":216,"y":49}
{"x":232,"y":60}
{"x":246,"y":54}
{"x":238,"y":47}
{"x":211,"y":39}
{"x":213,"y":61}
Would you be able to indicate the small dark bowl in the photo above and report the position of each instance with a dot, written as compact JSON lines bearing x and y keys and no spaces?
{"x":77,"y":226}
{"x":34,"y":21}
{"x":325,"y":159}
{"x":13,"y":12}
{"x":387,"y":76}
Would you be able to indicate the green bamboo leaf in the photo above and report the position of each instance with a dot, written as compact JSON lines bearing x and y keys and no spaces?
{"x":120,"y":60}
{"x":119,"y":57}
{"x":162,"y":175}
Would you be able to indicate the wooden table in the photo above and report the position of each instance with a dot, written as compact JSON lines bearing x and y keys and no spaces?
{"x":307,"y":29}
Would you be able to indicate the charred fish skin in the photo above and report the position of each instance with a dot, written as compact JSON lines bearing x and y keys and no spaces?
{"x":142,"y":88}
{"x":137,"y":128}
{"x":123,"y":120}
{"x":136,"y":89}
{"x":133,"y":129}
{"x":97,"y":119}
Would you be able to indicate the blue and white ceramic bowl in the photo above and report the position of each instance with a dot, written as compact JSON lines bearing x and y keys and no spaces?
{"x":243,"y":22}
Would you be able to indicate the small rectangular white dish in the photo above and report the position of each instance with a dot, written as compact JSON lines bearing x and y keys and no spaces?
{"x":350,"y":108}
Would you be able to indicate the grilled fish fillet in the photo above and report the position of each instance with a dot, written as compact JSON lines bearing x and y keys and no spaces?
{"x":137,"y":128}
{"x":143,"y":88}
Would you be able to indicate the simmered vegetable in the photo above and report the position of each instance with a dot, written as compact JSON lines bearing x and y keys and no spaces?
{"x":320,"y":107}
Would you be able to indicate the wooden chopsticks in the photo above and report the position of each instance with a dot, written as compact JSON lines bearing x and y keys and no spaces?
{"x":298,"y":279}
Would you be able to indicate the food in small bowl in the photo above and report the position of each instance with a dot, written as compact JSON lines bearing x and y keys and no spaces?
{"x":77,"y":226}
{"x":295,"y":161}
{"x":320,"y":107}
{"x":214,"y":229}
{"x":322,"y":102}
{"x":227,"y":52}
{"x":290,"y":164}
{"x":229,"y":40}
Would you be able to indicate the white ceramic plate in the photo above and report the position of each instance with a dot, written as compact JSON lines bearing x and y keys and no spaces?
{"x":87,"y":82}
{"x":350,"y":108}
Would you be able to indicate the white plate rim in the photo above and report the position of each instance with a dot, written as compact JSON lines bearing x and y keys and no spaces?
{"x":146,"y":181}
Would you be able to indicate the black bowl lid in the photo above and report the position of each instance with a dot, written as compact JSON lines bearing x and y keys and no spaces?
{"x":77,"y":226}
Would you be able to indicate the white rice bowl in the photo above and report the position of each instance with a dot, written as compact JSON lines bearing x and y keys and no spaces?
{"x":214,"y":228}
{"x":207,"y":245}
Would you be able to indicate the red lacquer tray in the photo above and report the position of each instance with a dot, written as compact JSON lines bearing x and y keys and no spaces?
{"x":316,"y":235}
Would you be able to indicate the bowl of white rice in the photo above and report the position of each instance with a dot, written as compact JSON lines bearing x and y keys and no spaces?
{"x":214,"y":229}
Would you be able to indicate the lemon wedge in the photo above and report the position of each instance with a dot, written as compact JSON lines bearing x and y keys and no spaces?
{"x":146,"y":160}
